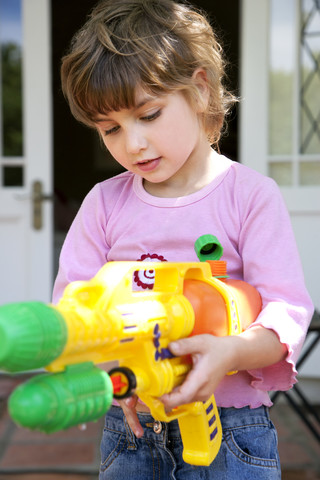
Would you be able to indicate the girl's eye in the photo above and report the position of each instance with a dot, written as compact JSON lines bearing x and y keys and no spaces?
{"x":152,"y":116}
{"x":145,"y":118}
{"x":111,"y":131}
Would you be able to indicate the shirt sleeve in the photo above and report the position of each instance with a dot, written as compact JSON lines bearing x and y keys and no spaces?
{"x":271,"y":263}
{"x":85,"y":248}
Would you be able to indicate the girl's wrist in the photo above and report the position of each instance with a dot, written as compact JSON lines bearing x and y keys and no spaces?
{"x":257,"y":347}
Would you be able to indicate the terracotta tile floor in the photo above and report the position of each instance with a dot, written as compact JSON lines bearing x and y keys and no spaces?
{"x":74,"y":454}
{"x":299,"y":450}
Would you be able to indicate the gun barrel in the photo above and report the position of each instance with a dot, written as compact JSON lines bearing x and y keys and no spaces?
{"x":52,"y":402}
{"x":32,"y":335}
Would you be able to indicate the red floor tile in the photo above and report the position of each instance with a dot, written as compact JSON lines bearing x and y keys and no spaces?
{"x":51,"y":454}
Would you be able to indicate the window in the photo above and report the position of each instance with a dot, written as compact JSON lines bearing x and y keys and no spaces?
{"x":294,"y":92}
{"x":11,"y":101}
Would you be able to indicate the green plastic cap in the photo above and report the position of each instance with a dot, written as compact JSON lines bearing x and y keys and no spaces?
{"x":208,"y":247}
{"x":32,"y":335}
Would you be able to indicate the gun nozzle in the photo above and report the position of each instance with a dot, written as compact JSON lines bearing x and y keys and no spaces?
{"x":32,"y":335}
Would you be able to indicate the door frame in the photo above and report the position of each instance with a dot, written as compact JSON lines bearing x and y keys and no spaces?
{"x":39,"y":115}
{"x":28,"y":252}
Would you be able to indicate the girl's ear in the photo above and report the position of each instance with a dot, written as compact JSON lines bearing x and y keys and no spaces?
{"x":200,"y":81}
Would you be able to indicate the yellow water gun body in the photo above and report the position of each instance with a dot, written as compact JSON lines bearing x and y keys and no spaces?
{"x":103,"y":320}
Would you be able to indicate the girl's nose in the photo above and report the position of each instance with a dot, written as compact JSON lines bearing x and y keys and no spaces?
{"x":135,"y":141}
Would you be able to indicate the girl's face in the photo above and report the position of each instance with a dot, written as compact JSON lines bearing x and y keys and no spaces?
{"x":159,"y":139}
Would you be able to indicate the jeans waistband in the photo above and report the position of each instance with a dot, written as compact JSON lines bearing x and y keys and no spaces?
{"x":240,"y":417}
{"x":230,"y":418}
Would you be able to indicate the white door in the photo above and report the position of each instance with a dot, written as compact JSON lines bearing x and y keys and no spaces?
{"x":280,"y":113}
{"x":25,"y":151}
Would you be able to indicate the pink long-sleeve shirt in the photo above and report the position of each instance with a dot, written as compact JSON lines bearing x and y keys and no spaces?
{"x":119,"y":220}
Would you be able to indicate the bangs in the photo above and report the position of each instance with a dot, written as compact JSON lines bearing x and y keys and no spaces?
{"x":111,"y":85}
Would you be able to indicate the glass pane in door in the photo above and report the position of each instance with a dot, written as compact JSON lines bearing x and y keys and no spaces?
{"x":281,"y":61}
{"x":310,"y":77}
{"x":11,"y":114}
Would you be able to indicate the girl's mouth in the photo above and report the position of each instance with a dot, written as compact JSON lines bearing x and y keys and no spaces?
{"x":148,"y":165}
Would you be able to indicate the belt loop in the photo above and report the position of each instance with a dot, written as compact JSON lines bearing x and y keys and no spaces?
{"x":266,"y":412}
{"x":132,"y":445}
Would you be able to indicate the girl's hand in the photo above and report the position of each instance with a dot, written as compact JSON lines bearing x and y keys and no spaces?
{"x":212,"y":359}
{"x":129,"y":409}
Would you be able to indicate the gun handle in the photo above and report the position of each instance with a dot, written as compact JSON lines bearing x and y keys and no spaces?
{"x":201,"y":433}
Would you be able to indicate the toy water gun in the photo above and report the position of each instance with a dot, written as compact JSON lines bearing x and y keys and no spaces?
{"x":103,"y":320}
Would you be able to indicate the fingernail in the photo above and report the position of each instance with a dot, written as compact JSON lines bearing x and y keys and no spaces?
{"x":138,"y":433}
{"x":128,"y":401}
{"x":174,"y":346}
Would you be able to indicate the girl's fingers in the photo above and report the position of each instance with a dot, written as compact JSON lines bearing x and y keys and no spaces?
{"x":188,"y":392}
{"x":129,"y":409}
{"x":185,"y":346}
{"x":208,"y":357}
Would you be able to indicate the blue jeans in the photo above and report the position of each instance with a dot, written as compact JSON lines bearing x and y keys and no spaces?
{"x":248,"y":450}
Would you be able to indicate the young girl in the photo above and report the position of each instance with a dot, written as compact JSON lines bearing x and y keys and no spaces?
{"x":148,"y":76}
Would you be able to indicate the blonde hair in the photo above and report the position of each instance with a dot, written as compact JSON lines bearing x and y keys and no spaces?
{"x":155,"y":44}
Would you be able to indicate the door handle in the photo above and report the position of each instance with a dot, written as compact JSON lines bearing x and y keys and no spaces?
{"x":38,"y":197}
